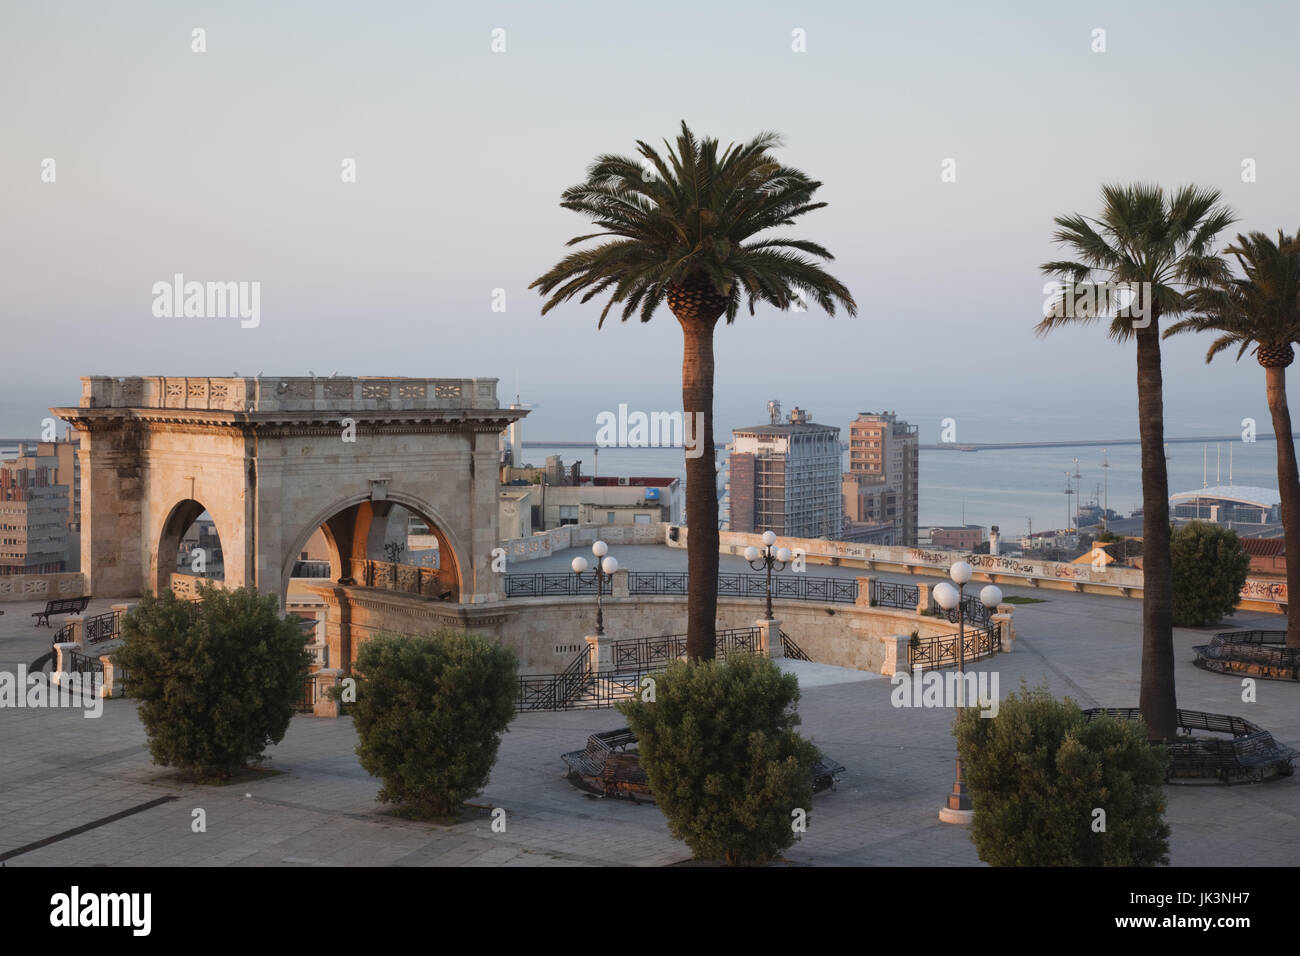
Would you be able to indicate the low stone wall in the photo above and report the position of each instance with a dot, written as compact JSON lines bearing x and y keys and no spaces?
{"x":42,"y":587}
{"x":548,"y":633}
{"x":546,"y":543}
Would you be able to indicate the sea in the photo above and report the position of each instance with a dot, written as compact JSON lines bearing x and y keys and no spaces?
{"x":1012,"y":488}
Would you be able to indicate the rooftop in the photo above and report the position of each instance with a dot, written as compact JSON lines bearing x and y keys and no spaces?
{"x":1242,"y":494}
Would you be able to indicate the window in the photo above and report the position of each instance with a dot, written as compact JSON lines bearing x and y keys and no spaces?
{"x":609,"y":517}
{"x":640,"y":519}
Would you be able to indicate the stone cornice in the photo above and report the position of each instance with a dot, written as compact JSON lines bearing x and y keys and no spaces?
{"x":289,"y":424}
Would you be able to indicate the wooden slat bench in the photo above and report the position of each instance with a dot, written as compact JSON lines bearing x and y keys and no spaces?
{"x":60,"y":606}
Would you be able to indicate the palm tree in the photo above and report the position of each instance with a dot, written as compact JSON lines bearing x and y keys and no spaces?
{"x":685,"y":228}
{"x":1262,"y":309}
{"x":1163,"y":244}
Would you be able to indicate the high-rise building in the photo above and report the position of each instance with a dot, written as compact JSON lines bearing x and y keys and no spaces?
{"x":33,"y":515}
{"x":785,"y":477}
{"x":883,"y":480}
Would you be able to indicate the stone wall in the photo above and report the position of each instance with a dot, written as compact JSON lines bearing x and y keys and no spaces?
{"x":548,"y":633}
{"x":41,"y":587}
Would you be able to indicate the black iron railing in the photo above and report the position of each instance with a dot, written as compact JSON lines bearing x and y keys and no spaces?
{"x":941,"y":651}
{"x":101,"y":627}
{"x":657,"y":582}
{"x":886,"y":594}
{"x":545,"y":585}
{"x":799,"y":587}
{"x":1259,"y":653}
{"x":555,"y":691}
{"x":793,"y":650}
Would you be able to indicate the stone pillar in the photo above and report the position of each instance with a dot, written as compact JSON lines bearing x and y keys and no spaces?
{"x":121,"y":609}
{"x":62,"y":655}
{"x":619,"y":585}
{"x":113,"y":545}
{"x":327,"y":678}
{"x":922,"y":598}
{"x":77,"y":623}
{"x":866,"y":591}
{"x":600,"y":648}
{"x":114,"y":679}
{"x":769,"y":638}
{"x":896,"y":660}
{"x":1003,"y":618}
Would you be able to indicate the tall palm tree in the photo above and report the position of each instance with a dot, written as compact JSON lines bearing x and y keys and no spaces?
{"x":1163,"y":243}
{"x":685,"y":227}
{"x":1262,"y":309}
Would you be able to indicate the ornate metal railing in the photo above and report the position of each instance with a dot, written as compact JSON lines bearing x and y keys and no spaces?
{"x":886,"y":594}
{"x":101,"y":627}
{"x":546,"y":585}
{"x":654,"y":652}
{"x":941,"y":651}
{"x":555,"y":691}
{"x":799,"y":587}
{"x":793,"y":650}
{"x":85,"y":664}
{"x":657,"y":582}
{"x":976,"y":613}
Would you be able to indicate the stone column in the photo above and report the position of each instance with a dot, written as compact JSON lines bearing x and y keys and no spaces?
{"x":62,"y":654}
{"x":327,"y":678}
{"x":77,"y":623}
{"x":619,"y":585}
{"x":1003,"y":618}
{"x":601,"y":653}
{"x":769,"y":638}
{"x":896,"y":660}
{"x":866,"y":591}
{"x":114,"y":682}
{"x":922,"y":598}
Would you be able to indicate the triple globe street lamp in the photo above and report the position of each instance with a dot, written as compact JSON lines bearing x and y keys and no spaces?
{"x":606,"y":565}
{"x":768,"y":558}
{"x":958,"y":808}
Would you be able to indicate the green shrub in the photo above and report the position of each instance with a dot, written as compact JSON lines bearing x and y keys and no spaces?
{"x":218,"y":683}
{"x":722,"y":757}
{"x":1210,"y":568}
{"x":430,"y":712}
{"x":1037,"y":774}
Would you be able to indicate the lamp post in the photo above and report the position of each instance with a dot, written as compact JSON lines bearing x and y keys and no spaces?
{"x":606,"y":565}
{"x":767,"y":558}
{"x":958,"y":808}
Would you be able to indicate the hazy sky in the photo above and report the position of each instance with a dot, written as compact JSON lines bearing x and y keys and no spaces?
{"x":225,"y":165}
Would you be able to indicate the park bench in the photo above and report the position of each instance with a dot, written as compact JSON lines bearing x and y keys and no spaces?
{"x":60,"y":606}
{"x":605,"y":766}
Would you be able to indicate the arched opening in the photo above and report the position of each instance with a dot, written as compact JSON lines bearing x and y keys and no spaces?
{"x":189,"y":550}
{"x":383,"y":543}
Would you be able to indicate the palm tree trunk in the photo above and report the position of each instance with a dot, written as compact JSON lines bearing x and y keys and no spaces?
{"x":1157,"y":699}
{"x":1288,"y":488}
{"x":701,"y":489}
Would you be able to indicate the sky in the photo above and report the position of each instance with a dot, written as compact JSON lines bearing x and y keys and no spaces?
{"x":226,"y":165}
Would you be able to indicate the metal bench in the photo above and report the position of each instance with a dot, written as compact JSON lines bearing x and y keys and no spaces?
{"x":60,"y":606}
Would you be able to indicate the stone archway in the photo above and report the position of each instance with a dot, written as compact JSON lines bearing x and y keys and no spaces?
{"x":179,"y":520}
{"x":354,"y":531}
{"x":264,"y":454}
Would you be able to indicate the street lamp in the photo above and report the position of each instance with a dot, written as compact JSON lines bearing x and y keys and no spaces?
{"x":958,"y":809}
{"x":766,"y":559}
{"x":606,"y":565}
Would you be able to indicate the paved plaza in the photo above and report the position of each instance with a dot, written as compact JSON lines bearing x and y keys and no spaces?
{"x":59,"y":770}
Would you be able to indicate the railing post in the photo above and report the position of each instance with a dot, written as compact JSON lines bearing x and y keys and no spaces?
{"x":619,"y":584}
{"x":1007,"y":628}
{"x":866,"y":591}
{"x":897,"y":659}
{"x":76,"y":623}
{"x":324,"y":704}
{"x":769,"y":638}
{"x":600,"y":650}
{"x":922,"y":598}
